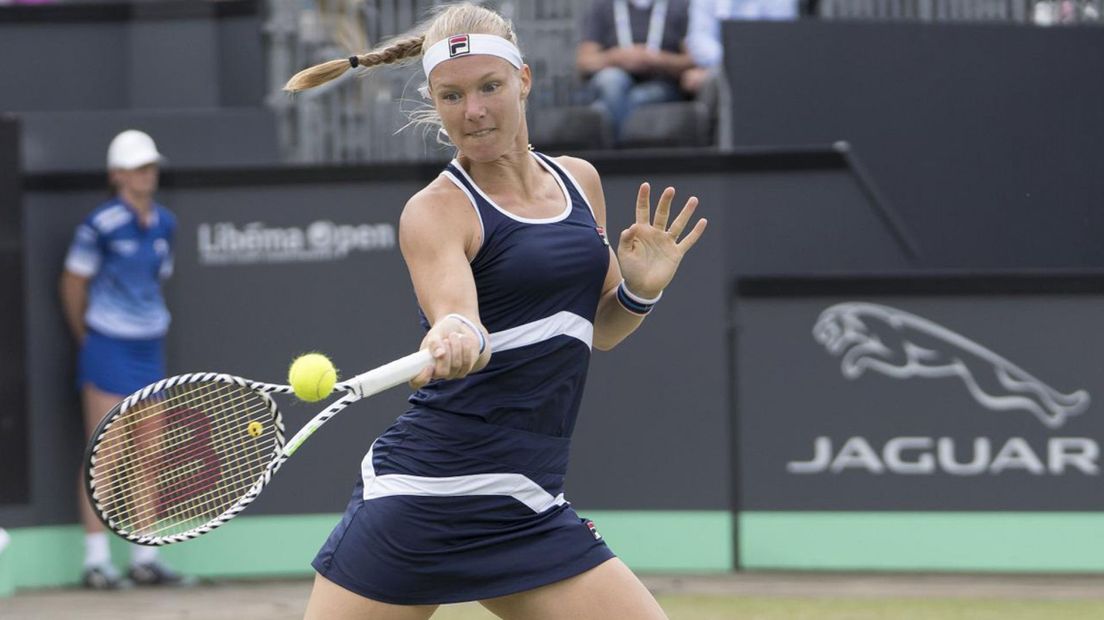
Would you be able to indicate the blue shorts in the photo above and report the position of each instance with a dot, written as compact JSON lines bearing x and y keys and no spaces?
{"x":120,"y":366}
{"x":451,"y":509}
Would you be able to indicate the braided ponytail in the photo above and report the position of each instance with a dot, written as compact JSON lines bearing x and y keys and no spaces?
{"x":394,"y":51}
{"x":447,"y":19}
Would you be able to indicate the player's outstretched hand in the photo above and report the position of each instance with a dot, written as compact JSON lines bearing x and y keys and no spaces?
{"x":650,"y":251}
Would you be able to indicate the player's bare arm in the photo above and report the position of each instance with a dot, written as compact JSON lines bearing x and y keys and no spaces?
{"x":439,"y":234}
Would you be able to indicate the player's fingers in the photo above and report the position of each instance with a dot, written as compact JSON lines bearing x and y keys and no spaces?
{"x":693,"y":236}
{"x":444,"y":359}
{"x":438,"y":349}
{"x":471,"y":352}
{"x":434,"y":345}
{"x":663,"y":209}
{"x":422,"y":378}
{"x":456,"y":355}
{"x":643,"y":203}
{"x":683,"y":217}
{"x":625,"y":242}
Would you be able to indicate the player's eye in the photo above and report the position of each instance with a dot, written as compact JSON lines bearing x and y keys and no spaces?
{"x":450,"y":97}
{"x":491,"y":87}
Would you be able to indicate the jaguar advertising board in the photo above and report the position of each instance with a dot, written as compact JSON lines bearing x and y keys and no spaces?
{"x":920,"y":402}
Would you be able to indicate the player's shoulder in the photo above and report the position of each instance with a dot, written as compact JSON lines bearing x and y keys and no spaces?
{"x":438,"y":198}
{"x":439,"y":203}
{"x":589,"y":181}
{"x":582,"y":170}
{"x":577,"y":166}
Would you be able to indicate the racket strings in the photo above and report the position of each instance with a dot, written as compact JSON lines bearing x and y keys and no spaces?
{"x":172,"y":471}
{"x":253,"y":460}
{"x":188,"y":493}
{"x":176,"y":480}
{"x":172,"y":463}
{"x":124,"y":427}
{"x":159,"y":409}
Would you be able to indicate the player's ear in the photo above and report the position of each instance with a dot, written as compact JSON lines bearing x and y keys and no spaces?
{"x":526,"y":77}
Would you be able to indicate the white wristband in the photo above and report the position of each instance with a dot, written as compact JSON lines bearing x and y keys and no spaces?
{"x":478,"y":332}
{"x":637,"y":298}
{"x":635,"y":303}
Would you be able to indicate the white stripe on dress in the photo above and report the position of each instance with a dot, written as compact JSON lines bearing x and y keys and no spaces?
{"x":516,"y":486}
{"x":562,"y":323}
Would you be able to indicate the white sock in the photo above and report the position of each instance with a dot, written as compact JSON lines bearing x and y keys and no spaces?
{"x":96,"y":552}
{"x":141,"y":554}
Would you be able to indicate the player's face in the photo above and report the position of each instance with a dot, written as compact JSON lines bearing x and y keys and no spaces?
{"x":481,"y":102}
{"x":137,"y":182}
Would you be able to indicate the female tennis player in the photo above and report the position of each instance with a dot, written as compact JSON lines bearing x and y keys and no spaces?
{"x":461,"y":499}
{"x":111,"y":296}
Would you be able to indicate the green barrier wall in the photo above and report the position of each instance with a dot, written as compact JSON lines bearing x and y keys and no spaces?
{"x":283,"y":546}
{"x":922,"y":541}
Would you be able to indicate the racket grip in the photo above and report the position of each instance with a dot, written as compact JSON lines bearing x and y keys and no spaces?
{"x":391,"y":374}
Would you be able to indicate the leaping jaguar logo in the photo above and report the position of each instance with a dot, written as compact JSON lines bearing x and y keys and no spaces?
{"x":902,"y":345}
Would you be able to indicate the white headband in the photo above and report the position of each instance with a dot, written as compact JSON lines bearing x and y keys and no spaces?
{"x":470,"y":44}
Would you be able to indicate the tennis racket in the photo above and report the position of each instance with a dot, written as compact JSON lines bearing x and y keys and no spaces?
{"x":182,"y":456}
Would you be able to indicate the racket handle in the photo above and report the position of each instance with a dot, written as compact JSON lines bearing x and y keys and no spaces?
{"x":389,"y":375}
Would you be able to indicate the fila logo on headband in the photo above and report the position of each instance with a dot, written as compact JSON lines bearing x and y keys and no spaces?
{"x":459,"y":45}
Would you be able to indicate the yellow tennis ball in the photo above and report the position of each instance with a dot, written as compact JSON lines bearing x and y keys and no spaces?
{"x":312,"y":376}
{"x":254,"y":428}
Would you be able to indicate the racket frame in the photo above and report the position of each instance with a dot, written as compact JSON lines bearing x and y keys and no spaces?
{"x":366,"y":384}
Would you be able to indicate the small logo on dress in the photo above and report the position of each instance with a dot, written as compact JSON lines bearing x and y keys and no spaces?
{"x":602,"y":234}
{"x":458,"y":45}
{"x":593,"y":530}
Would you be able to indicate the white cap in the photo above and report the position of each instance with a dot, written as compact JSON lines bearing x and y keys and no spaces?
{"x":132,"y":149}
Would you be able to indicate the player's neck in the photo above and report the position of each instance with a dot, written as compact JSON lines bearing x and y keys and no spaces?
{"x":516,"y":172}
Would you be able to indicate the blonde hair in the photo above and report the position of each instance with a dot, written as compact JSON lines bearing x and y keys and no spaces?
{"x":462,"y":17}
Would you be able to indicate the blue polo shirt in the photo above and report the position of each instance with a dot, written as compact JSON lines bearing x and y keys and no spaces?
{"x":126,"y":263}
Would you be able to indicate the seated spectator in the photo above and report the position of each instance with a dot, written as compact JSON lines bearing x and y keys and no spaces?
{"x":633,"y":53}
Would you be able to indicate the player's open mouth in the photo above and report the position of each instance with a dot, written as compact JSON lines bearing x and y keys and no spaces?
{"x":481,"y":133}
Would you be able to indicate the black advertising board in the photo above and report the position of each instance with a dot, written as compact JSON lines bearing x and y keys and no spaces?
{"x":920,"y":402}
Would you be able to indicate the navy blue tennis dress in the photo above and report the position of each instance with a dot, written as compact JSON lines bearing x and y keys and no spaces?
{"x":461,"y":498}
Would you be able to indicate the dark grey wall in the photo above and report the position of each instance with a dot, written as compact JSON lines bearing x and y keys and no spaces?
{"x":70,"y":65}
{"x":984,"y":138}
{"x":173,"y":54}
{"x":656,"y":408}
{"x":77,"y":140}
